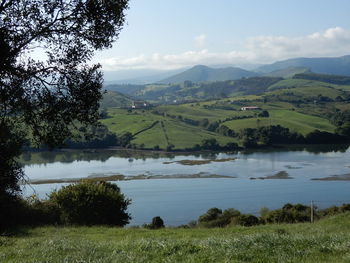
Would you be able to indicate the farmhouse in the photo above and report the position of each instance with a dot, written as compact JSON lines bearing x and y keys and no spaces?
{"x":139,"y":104}
{"x":251,"y":108}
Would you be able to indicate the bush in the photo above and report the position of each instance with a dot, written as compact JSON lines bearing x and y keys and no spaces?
{"x":264,"y":113}
{"x":28,"y":212}
{"x":210,"y":215}
{"x":289,"y":214}
{"x":42,"y":212}
{"x":170,"y":147}
{"x":210,"y":144}
{"x":156,"y":148}
{"x":214,"y":217}
{"x":125,"y":139}
{"x":91,"y":203}
{"x":157,"y":222}
{"x":246,"y":220}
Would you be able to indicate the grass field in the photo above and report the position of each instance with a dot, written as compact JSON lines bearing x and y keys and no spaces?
{"x":197,"y":111}
{"x":295,"y":121}
{"x":291,"y":103}
{"x":313,"y":91}
{"x":156,"y":130}
{"x":325,"y":241}
{"x":166,"y":128}
{"x":292,"y":83}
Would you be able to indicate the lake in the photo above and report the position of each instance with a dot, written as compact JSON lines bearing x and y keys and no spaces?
{"x":180,"y":200}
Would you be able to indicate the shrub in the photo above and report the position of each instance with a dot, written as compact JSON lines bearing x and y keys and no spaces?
{"x":91,"y":203}
{"x":289,"y":214}
{"x":42,"y":212}
{"x":170,"y":147}
{"x":156,"y":148}
{"x":246,"y":220}
{"x":210,"y":144}
{"x":156,"y":223}
{"x":214,"y":217}
{"x":125,"y":139}
{"x":210,"y":215}
{"x":29,"y":212}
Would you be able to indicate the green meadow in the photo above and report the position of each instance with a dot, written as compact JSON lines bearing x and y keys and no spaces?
{"x":302,"y":105}
{"x":327,"y":240}
{"x":296,"y":122}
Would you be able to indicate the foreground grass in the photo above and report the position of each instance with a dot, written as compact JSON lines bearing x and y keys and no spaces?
{"x":325,"y":241}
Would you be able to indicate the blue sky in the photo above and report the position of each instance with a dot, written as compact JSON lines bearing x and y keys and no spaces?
{"x":168,"y":34}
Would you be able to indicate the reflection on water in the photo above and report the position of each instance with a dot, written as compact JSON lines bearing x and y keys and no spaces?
{"x":68,"y":156}
{"x":180,"y":200}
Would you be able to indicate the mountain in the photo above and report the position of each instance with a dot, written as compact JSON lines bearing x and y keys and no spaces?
{"x":202,"y":73}
{"x":287,"y":72}
{"x":127,"y":89}
{"x":334,"y":66}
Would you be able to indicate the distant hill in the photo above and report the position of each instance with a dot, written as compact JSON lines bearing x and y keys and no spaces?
{"x":202,"y":73}
{"x":115,"y":99}
{"x":335,"y":66}
{"x":287,"y":72}
{"x":128,"y":89}
{"x":333,"y":79}
{"x":165,"y":93}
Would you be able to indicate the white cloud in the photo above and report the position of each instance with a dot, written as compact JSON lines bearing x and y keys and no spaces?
{"x":200,"y":40}
{"x":260,"y":49}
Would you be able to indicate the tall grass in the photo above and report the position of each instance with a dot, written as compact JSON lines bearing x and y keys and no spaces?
{"x":325,"y":241}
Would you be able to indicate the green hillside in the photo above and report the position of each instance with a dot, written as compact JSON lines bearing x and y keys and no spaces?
{"x":115,"y":99}
{"x":151,"y":130}
{"x":301,"y":105}
{"x":296,"y":122}
{"x":331,"y":65}
{"x":287,"y":72}
{"x":333,"y":79}
{"x":324,"y":241}
{"x":188,"y":91}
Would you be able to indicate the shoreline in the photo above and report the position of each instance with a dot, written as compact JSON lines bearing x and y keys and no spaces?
{"x":184,"y":151}
{"x":120,"y":177}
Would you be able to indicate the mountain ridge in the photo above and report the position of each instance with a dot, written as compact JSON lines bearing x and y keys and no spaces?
{"x":322,"y":65}
{"x":202,"y":73}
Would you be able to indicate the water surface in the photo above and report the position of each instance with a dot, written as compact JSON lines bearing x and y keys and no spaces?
{"x":179,"y":201}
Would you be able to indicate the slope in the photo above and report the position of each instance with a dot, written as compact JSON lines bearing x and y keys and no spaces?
{"x":202,"y":73}
{"x":331,"y":65}
{"x":115,"y":99}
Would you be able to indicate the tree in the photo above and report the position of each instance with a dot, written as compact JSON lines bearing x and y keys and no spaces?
{"x":91,"y":203}
{"x":44,"y":99}
{"x":125,"y":139}
{"x":157,"y":222}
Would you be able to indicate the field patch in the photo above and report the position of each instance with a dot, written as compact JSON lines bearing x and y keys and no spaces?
{"x":295,"y":121}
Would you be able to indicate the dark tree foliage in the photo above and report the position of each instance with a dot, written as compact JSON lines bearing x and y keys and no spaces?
{"x":322,"y":137}
{"x":210,"y":144}
{"x":43,"y":99}
{"x":157,"y":222}
{"x":92,"y":203}
{"x":268,"y":135}
{"x":102,"y":138}
{"x":334,"y":79}
{"x":289,"y":214}
{"x":246,"y":220}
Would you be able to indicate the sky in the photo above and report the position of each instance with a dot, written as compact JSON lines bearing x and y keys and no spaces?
{"x":168,"y":34}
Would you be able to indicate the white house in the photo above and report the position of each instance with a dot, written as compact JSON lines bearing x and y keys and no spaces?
{"x":251,"y":108}
{"x":139,"y":104}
